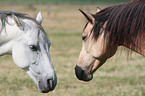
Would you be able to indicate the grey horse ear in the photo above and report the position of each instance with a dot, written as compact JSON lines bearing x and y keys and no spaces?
{"x":39,"y":18}
{"x":18,"y":22}
{"x":89,"y":17}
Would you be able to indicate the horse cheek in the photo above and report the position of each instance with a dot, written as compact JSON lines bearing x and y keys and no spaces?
{"x":19,"y":56}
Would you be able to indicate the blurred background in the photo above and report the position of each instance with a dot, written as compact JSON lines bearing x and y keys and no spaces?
{"x":122,"y":75}
{"x":60,"y":1}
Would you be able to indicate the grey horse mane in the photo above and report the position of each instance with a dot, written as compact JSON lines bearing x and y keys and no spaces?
{"x":5,"y":14}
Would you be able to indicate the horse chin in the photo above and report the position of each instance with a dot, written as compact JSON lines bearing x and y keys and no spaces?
{"x":95,"y":66}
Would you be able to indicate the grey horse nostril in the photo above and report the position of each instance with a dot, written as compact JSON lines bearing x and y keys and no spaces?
{"x":51,"y":85}
{"x":49,"y":82}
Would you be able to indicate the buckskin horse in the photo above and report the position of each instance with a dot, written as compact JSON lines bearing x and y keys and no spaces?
{"x":119,"y":25}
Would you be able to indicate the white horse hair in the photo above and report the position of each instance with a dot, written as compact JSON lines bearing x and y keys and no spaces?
{"x":24,"y":38}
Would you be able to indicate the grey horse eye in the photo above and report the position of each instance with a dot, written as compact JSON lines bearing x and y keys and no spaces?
{"x":33,"y":47}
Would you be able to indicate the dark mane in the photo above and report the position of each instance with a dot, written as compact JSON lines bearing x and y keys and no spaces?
{"x":125,"y":23}
{"x":5,"y":14}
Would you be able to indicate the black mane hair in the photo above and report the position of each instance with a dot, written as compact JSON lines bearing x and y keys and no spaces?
{"x":125,"y":23}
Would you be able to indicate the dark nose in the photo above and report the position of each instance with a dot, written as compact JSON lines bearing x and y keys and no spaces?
{"x":82,"y":75}
{"x":46,"y":85}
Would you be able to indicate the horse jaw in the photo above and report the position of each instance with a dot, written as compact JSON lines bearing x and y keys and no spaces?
{"x":96,"y":65}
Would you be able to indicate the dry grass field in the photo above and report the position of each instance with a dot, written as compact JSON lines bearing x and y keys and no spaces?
{"x":119,"y":76}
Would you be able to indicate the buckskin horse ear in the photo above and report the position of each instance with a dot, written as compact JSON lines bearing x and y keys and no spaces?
{"x":98,"y":9}
{"x":89,"y":17}
{"x":18,"y":22}
{"x":39,"y":18}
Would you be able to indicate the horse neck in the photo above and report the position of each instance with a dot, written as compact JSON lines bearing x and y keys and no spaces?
{"x":140,"y":47}
{"x":8,"y":36}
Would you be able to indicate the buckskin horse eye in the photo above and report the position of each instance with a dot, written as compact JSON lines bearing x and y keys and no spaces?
{"x":33,"y":47}
{"x":84,"y":37}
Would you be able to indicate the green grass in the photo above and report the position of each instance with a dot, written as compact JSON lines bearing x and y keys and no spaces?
{"x":119,"y":76}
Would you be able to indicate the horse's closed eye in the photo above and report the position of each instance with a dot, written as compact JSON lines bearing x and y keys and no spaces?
{"x":33,"y":47}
